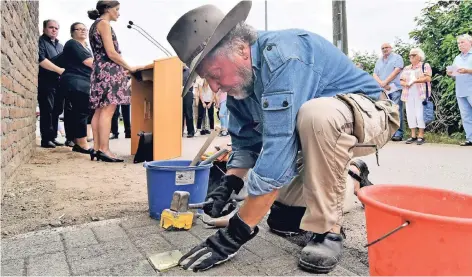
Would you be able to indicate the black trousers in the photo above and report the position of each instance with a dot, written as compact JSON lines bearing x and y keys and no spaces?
{"x":46,"y":99}
{"x":68,"y":124}
{"x":79,"y":114}
{"x":125,"y":111}
{"x":201,"y":115}
{"x":59,"y":108}
{"x":188,"y":113}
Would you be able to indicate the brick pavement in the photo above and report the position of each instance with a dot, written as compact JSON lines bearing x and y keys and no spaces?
{"x":121,"y":247}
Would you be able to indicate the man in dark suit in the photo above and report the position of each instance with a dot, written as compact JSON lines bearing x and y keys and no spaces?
{"x":48,"y":81}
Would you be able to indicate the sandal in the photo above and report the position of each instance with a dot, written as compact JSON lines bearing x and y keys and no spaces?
{"x":363,"y":177}
{"x":410,"y":140}
{"x":466,"y":143}
{"x":420,"y":141}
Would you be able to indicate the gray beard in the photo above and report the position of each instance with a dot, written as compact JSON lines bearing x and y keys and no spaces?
{"x":247,"y":86}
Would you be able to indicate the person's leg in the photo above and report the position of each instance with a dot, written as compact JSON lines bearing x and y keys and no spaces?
{"x":95,"y":128}
{"x":465,"y":108}
{"x":325,"y":130}
{"x":104,"y":126}
{"x":211,"y":116}
{"x":125,"y":112}
{"x":201,"y":114}
{"x":81,"y":113}
{"x":410,"y":108}
{"x":46,"y":106}
{"x":58,"y":109}
{"x":89,"y":125}
{"x":224,"y":118}
{"x":114,"y":123}
{"x":188,"y":113}
{"x":396,"y":98}
{"x":419,"y":117}
{"x":67,"y":118}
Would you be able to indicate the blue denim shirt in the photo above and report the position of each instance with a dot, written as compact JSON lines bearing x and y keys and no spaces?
{"x":464,"y":81}
{"x":383,"y":68}
{"x":290,"y":68}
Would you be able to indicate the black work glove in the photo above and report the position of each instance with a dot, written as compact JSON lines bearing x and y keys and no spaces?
{"x":219,"y":247}
{"x":221,"y":195}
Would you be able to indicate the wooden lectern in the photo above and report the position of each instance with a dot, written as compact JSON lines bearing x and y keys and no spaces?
{"x":156,"y":106}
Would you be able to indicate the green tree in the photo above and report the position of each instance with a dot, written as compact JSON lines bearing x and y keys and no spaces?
{"x":437,"y":29}
{"x":366,"y":60}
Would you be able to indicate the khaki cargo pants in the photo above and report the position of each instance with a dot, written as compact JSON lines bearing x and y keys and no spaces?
{"x":327,"y":128}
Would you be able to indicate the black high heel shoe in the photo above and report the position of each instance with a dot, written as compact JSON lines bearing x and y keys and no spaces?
{"x":77,"y":148}
{"x":104,"y":157}
{"x":93,"y":154}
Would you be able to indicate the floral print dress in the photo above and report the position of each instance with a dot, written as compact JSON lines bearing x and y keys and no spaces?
{"x":108,"y":79}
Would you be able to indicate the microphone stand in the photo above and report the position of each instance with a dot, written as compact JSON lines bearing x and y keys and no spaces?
{"x":150,"y":40}
{"x":137,"y":28}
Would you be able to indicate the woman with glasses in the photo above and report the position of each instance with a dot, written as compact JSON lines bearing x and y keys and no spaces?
{"x":75,"y":84}
{"x":416,"y":83}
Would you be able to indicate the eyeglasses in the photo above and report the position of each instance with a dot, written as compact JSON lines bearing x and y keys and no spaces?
{"x":52,"y":27}
{"x":383,"y":48}
{"x":412,"y":55}
{"x":81,"y":29}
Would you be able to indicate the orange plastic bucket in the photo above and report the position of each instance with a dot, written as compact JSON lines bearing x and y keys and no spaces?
{"x":417,"y":231}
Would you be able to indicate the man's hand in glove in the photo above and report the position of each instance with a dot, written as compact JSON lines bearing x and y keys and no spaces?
{"x":221,"y":195}
{"x":219,"y":247}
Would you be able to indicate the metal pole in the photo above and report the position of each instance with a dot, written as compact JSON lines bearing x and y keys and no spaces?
{"x":265,"y":3}
{"x":340,"y":25}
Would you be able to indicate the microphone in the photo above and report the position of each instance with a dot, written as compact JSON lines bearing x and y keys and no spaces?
{"x":150,"y":40}
{"x":149,"y":37}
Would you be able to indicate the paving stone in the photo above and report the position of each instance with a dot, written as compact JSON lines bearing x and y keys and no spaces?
{"x":138,"y":221}
{"x":152,"y":244}
{"x":48,"y":265}
{"x":109,"y":232}
{"x":138,"y":268}
{"x":244,"y":257}
{"x":219,"y":270}
{"x":31,"y":246}
{"x":180,"y":239}
{"x":201,"y":232}
{"x":104,"y":255}
{"x":83,"y":237}
{"x":355,"y":261}
{"x":274,"y":266}
{"x":98,"y":272}
{"x":280,"y":242}
{"x":13,"y":268}
{"x":143,"y":231}
{"x":263,"y":248}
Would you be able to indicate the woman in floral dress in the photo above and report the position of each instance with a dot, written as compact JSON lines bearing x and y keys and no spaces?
{"x":109,"y":77}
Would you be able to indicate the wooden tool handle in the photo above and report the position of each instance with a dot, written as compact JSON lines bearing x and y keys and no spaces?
{"x":205,"y":146}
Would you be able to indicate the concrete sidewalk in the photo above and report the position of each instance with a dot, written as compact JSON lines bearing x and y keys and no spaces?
{"x":121,"y":247}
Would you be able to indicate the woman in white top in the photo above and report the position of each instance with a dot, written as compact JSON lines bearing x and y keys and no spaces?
{"x":416,"y":83}
{"x":205,"y":105}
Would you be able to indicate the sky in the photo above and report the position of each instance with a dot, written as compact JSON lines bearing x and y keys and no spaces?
{"x":370,"y":22}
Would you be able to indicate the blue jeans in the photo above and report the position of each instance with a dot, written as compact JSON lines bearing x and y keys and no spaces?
{"x":465,"y":107}
{"x":396,"y":97}
{"x":224,"y":116}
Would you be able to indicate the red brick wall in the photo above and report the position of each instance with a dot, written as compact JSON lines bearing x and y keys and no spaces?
{"x":19,"y":30}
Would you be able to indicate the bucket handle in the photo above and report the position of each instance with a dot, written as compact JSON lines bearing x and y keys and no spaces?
{"x":388,"y":234}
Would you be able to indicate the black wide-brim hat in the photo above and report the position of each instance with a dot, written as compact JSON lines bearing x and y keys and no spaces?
{"x":198,"y":31}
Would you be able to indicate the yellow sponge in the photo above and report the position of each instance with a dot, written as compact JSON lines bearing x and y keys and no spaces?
{"x":171,"y":220}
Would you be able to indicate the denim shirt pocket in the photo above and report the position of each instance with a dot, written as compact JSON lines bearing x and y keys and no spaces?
{"x":277,"y":112}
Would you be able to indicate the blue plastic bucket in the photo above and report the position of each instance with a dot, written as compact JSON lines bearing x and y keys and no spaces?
{"x":166,"y":177}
